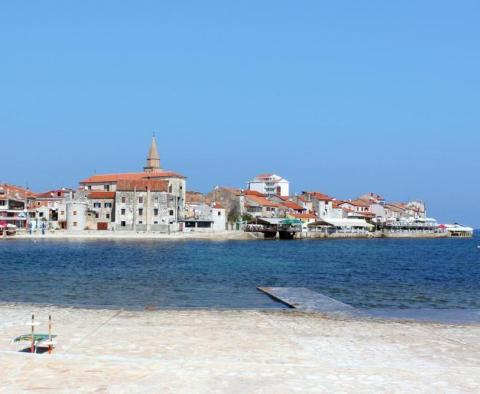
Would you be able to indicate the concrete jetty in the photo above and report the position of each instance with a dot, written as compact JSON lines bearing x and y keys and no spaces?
{"x":310,"y":301}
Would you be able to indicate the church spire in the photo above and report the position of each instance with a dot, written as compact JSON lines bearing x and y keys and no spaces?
{"x":153,"y":159}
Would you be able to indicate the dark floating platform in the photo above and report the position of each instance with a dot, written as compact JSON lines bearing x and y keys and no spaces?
{"x":307,"y":300}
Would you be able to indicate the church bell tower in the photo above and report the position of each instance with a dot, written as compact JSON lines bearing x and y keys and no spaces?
{"x":153,"y":158}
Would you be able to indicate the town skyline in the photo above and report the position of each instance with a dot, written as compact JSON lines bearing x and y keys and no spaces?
{"x":154,"y":166}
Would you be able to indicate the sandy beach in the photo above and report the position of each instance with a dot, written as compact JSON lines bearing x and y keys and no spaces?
{"x":199,"y":351}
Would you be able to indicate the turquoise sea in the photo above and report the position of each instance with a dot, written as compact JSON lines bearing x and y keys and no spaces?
{"x":396,"y":275}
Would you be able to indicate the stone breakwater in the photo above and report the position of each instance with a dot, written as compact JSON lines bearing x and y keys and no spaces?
{"x":236,"y":351}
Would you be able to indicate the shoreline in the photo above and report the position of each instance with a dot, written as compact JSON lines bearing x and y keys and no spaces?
{"x":215,"y":236}
{"x":236,"y":351}
{"x":221,"y":236}
{"x":449,"y":316}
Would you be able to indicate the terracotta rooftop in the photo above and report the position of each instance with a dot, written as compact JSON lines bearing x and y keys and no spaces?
{"x":253,"y":193}
{"x":293,"y":205}
{"x":13,"y":191}
{"x":318,"y":196}
{"x":101,"y":195}
{"x":360,"y":203}
{"x":58,"y":193}
{"x":102,"y":178}
{"x":264,"y":176}
{"x":262,"y":201}
{"x":142,"y":184}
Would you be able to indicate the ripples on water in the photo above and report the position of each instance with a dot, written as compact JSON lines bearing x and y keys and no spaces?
{"x":379,"y":273}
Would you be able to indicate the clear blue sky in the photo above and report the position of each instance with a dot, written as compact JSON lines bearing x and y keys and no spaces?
{"x":343,"y":97}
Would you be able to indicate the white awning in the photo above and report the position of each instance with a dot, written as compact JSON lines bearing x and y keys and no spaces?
{"x":344,"y":222}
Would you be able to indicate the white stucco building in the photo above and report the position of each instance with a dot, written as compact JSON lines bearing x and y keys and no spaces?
{"x":203,"y":217}
{"x":270,"y":185}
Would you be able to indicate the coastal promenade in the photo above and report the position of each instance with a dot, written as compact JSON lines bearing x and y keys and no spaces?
{"x":236,"y":351}
{"x":220,"y":235}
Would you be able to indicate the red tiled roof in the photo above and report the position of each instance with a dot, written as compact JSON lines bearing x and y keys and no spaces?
{"x":360,"y":203}
{"x":263,"y":176}
{"x":102,"y":178}
{"x":142,"y":184}
{"x":337,"y":203}
{"x":293,"y":205}
{"x":283,"y":198}
{"x":394,"y":207}
{"x":59,"y":193}
{"x":262,"y":201}
{"x":217,"y":205}
{"x":101,"y":195}
{"x":253,"y":193}
{"x":12,"y":190}
{"x":319,"y":196}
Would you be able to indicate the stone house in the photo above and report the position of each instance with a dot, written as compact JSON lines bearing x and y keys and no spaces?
{"x":145,"y":205}
{"x":321,"y":204}
{"x":101,"y":208}
{"x":176,"y":183}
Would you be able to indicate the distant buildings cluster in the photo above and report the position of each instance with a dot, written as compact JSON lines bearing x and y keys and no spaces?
{"x":157,"y":200}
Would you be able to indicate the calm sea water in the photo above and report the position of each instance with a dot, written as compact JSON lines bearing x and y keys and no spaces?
{"x":380,"y":273}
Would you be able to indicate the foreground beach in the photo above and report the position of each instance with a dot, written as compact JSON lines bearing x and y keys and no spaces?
{"x":236,"y":351}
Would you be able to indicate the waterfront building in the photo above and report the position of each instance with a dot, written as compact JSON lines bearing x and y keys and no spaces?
{"x":321,"y":204}
{"x":270,"y":185}
{"x":176,"y":183}
{"x":416,"y":209}
{"x":202,"y":217}
{"x":457,"y":230}
{"x":257,"y":204}
{"x":146,"y":205}
{"x":304,"y":202}
{"x":394,"y":211}
{"x":356,"y":209}
{"x":76,"y":207}
{"x":101,"y":210}
{"x":372,"y":198}
{"x":341,"y":226}
{"x":49,"y":210}
{"x":15,"y":205}
{"x":290,"y":206}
